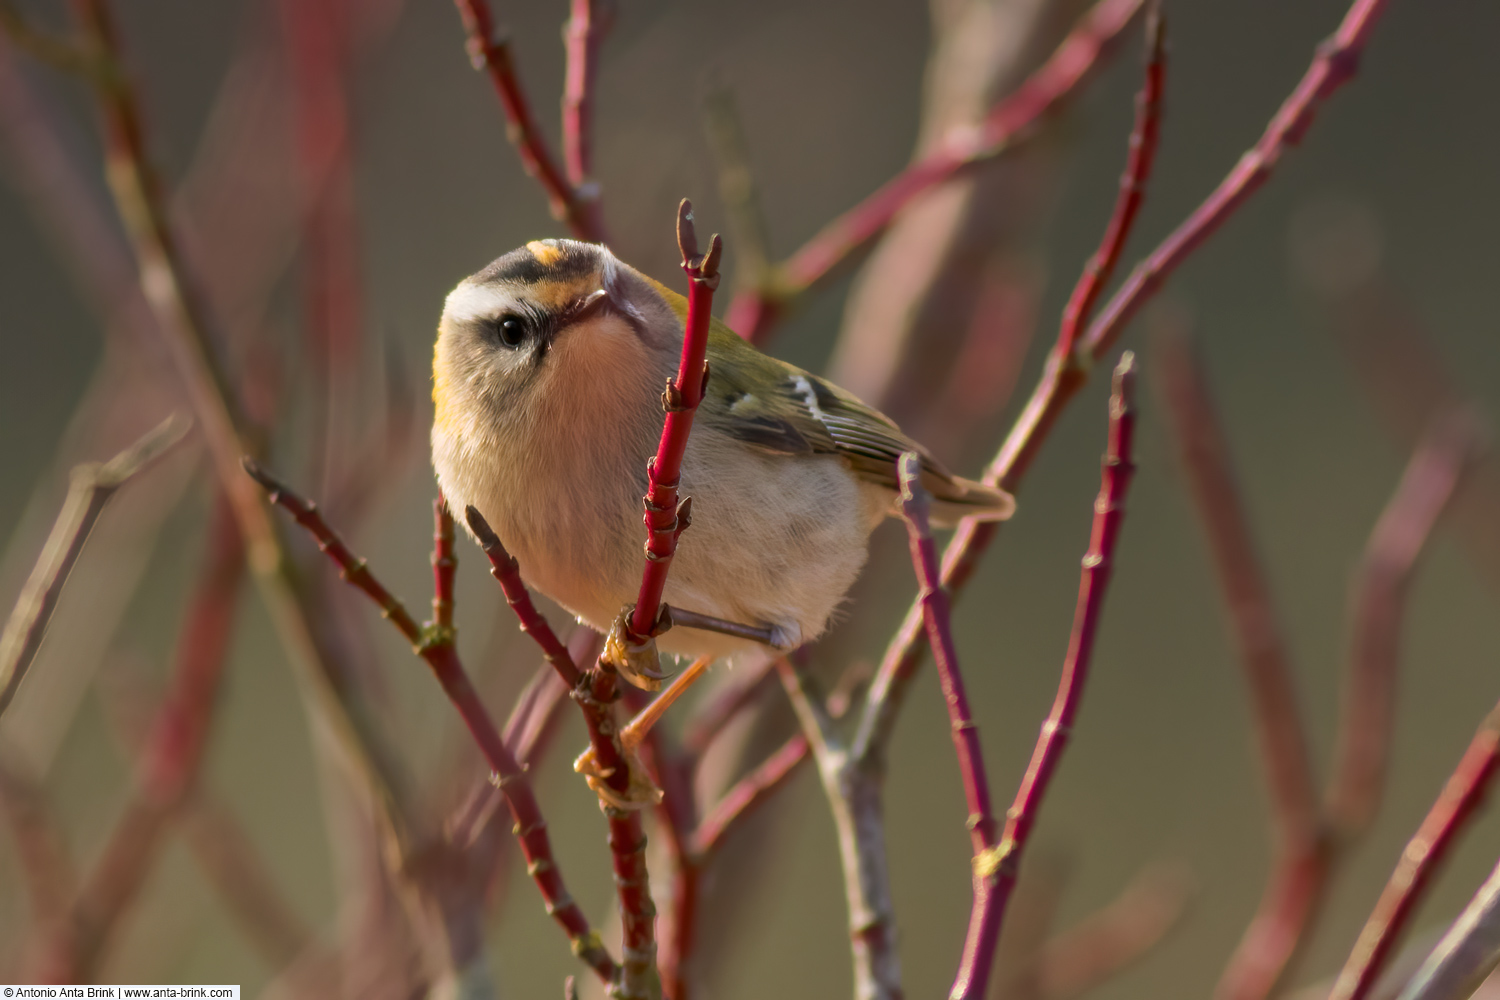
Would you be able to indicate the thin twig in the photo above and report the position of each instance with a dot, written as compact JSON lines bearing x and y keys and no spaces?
{"x":664,"y":520}
{"x":984,"y":924}
{"x":1460,"y":797}
{"x":754,"y":310}
{"x":1100,"y":946}
{"x":585,"y":29}
{"x":1062,"y":377}
{"x":747,"y":793}
{"x":492,"y":53}
{"x":435,"y":646}
{"x":90,"y":488}
{"x":1378,"y":599}
{"x":997,"y":868}
{"x":1334,"y":65}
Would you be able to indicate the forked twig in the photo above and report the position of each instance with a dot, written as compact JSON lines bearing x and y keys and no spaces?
{"x":997,"y":868}
{"x":89,"y":490}
{"x":574,"y":205}
{"x":435,"y":645}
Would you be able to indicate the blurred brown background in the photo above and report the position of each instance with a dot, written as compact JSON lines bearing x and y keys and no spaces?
{"x":1401,"y":170}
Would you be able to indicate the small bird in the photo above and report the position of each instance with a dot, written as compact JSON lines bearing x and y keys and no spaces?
{"x":547,"y":386}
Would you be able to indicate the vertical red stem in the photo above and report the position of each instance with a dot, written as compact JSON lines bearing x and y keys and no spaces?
{"x":996,"y":869}
{"x":681,"y":401}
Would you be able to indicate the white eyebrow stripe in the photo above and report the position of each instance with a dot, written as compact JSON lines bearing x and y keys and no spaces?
{"x":467,"y":302}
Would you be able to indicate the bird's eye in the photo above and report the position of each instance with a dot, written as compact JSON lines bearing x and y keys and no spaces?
{"x":511,"y":330}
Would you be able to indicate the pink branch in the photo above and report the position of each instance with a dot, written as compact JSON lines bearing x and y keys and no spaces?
{"x":754,"y":311}
{"x":664,"y":520}
{"x":435,"y":646}
{"x":1303,"y":858}
{"x":1462,"y":795}
{"x":997,"y":868}
{"x":1247,"y":594}
{"x":582,"y":37}
{"x":492,"y":54}
{"x":747,"y":793}
{"x":1379,"y":604}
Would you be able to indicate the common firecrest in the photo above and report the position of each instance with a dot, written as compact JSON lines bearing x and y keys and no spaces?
{"x":547,"y":385}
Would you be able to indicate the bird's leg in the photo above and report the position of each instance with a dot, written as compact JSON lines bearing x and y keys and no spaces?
{"x":636,"y":729}
{"x":641,"y":791}
{"x":770,"y":635}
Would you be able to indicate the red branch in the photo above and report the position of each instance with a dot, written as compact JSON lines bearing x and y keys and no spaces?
{"x":755,"y":310}
{"x":582,"y":36}
{"x":664,"y":520}
{"x":1335,"y":64}
{"x":1462,"y":795}
{"x":1378,"y":602}
{"x":747,"y":793}
{"x":1062,"y":377}
{"x":996,"y":869}
{"x":984,"y":919}
{"x":570,"y":204}
{"x":435,"y":646}
{"x":1303,"y":849}
{"x":507,"y":571}
{"x":168,"y":766}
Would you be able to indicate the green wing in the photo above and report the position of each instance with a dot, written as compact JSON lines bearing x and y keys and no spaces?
{"x":781,"y":409}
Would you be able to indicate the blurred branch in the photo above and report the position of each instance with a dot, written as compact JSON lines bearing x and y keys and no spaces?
{"x":90,"y":490}
{"x":1378,"y":599}
{"x":46,"y":864}
{"x":754,"y":311}
{"x":1407,"y":384}
{"x":1103,"y":944}
{"x":243,"y":880}
{"x":737,"y":188}
{"x":167,"y":767}
{"x":1460,"y":797}
{"x":1303,"y":845}
{"x":574,"y":204}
